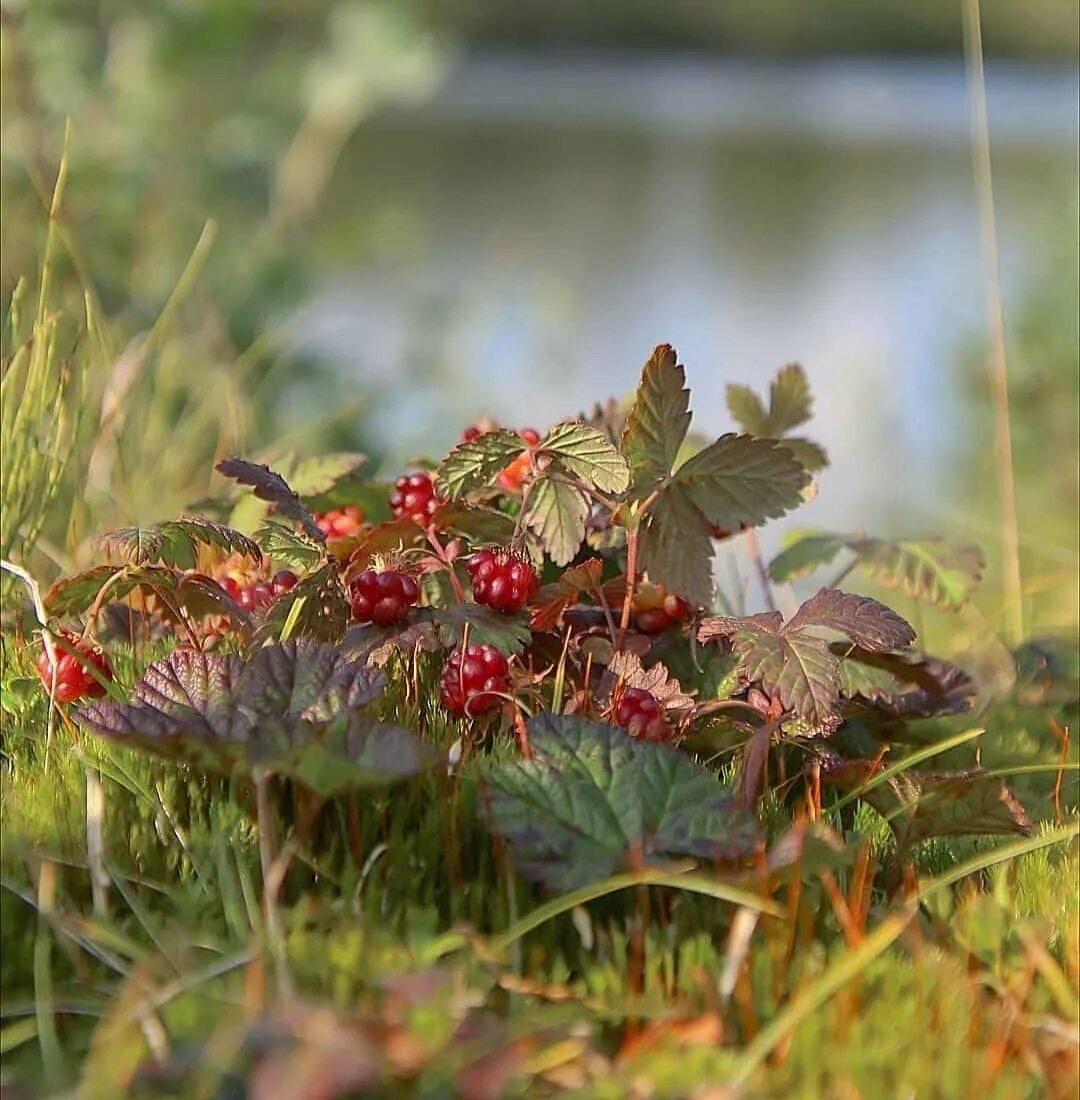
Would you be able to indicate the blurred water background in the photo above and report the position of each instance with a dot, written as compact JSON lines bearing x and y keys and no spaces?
{"x":424,"y":212}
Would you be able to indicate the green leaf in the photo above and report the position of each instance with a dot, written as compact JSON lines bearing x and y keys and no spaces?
{"x":324,"y":608}
{"x":509,"y":634}
{"x":804,"y":553}
{"x":292,"y":708}
{"x":658,"y":421}
{"x":941,"y":573}
{"x":322,"y":474}
{"x":790,"y":402}
{"x":557,"y":512}
{"x":273,"y":488}
{"x":288,"y":546}
{"x":807,"y":453}
{"x":676,"y":546}
{"x":176,"y":542}
{"x":583,"y":452}
{"x":593,"y":801}
{"x":477,"y":463}
{"x":742,"y":479}
{"x":477,"y":524}
{"x":747,"y":409}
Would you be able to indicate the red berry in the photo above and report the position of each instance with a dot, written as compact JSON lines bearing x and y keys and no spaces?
{"x":341,"y":523}
{"x":502,"y":579}
{"x":382,"y":597}
{"x":232,"y":589}
{"x":656,"y":609}
{"x":414,"y":497}
{"x":471,"y":677}
{"x":653,"y":620}
{"x":638,"y":712}
{"x":530,"y":435}
{"x":470,"y":433}
{"x":284,"y":580}
{"x":75,"y":662}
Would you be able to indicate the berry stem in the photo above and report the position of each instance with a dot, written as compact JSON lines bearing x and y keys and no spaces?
{"x":440,"y":553}
{"x":763,"y":572}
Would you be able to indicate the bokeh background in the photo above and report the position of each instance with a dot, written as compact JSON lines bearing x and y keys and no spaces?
{"x":353,"y":224}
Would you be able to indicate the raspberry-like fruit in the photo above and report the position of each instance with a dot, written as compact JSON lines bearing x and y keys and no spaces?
{"x":76,"y":662}
{"x":257,"y":596}
{"x":340,"y":523}
{"x":655,"y":609}
{"x":285,"y":580}
{"x":638,"y":712}
{"x":414,"y":497}
{"x":502,"y":579}
{"x":513,"y":476}
{"x":383,"y":597}
{"x":471,"y":677}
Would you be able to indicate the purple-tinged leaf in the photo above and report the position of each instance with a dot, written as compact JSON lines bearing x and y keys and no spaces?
{"x":274,"y":489}
{"x":908,"y":685}
{"x":865,"y":621}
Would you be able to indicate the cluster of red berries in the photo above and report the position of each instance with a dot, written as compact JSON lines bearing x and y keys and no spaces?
{"x":76,"y":664}
{"x":382,"y":597}
{"x":639,"y":713}
{"x":260,"y":594}
{"x":414,"y":498}
{"x":471,"y":678}
{"x":502,"y":579}
{"x":341,"y":523}
{"x":513,"y":476}
{"x":655,"y":609}
{"x":718,"y":532}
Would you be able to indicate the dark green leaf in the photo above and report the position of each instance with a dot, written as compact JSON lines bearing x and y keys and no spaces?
{"x":743,"y":479}
{"x":476,"y":464}
{"x":677,"y":548}
{"x":323,"y":613}
{"x":273,"y":488}
{"x":658,"y":420}
{"x":507,"y":633}
{"x":584,"y":453}
{"x":593,"y":801}
{"x":557,"y":512}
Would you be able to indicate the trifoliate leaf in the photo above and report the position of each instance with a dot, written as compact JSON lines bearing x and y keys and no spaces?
{"x":557,"y":511}
{"x":742,"y":479}
{"x":796,"y":665}
{"x":291,"y":708}
{"x":273,"y":488}
{"x":593,"y":801}
{"x":584,"y":453}
{"x":941,"y":573}
{"x":176,"y":542}
{"x":477,"y":463}
{"x":658,"y":420}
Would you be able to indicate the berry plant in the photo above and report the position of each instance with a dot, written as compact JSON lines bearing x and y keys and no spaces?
{"x":528,"y":641}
